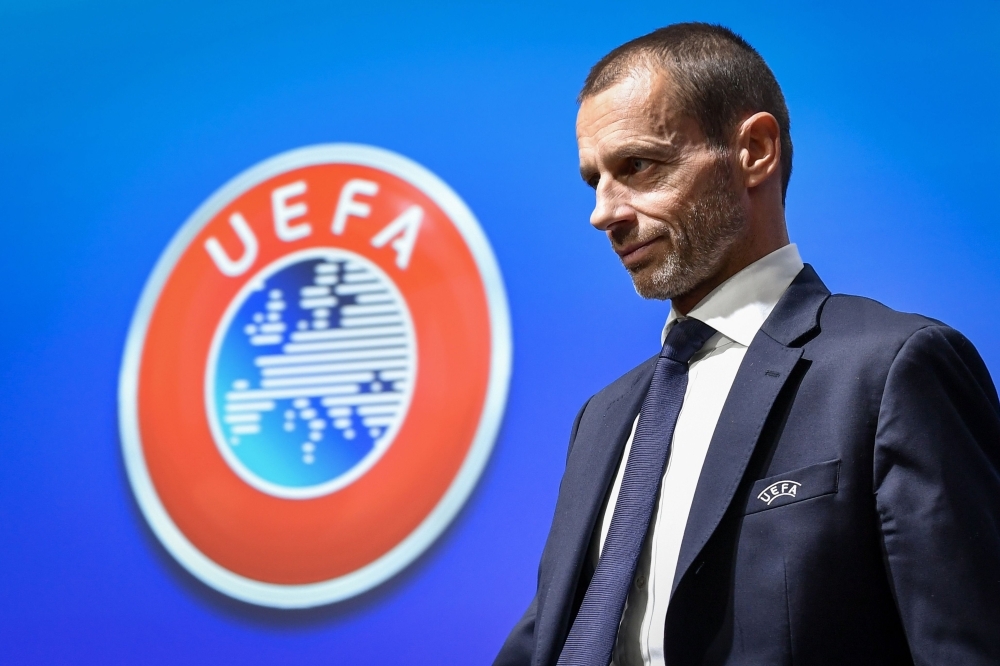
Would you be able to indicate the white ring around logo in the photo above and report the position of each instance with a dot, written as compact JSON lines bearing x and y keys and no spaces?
{"x":386,"y":566}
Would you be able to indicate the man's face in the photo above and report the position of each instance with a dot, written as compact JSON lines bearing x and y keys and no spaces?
{"x":665,"y":197}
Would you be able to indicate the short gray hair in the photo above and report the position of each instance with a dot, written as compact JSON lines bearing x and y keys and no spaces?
{"x":720,"y":79}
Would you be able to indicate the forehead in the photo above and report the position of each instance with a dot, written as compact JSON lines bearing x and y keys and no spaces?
{"x":641,"y":106}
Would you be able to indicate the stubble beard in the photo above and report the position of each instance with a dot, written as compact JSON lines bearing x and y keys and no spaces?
{"x":699,"y":240}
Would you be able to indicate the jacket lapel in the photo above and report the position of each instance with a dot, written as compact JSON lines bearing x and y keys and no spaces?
{"x":590,"y":468}
{"x":768,"y":363}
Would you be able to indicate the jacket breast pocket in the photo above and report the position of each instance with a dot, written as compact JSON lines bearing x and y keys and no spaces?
{"x":797,"y":485}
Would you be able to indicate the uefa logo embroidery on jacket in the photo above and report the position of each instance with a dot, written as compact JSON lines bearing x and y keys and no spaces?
{"x":315,"y":375}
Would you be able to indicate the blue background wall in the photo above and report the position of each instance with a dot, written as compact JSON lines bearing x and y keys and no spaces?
{"x":118,"y":119}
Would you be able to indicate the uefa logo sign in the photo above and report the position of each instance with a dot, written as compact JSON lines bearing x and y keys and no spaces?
{"x":315,"y":375}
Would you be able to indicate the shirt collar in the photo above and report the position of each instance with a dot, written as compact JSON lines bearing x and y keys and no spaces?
{"x":738,"y":307}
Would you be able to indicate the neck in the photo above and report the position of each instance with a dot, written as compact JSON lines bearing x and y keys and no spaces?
{"x":760,"y":241}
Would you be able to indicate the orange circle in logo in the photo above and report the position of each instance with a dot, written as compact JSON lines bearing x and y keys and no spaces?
{"x":292,"y":548}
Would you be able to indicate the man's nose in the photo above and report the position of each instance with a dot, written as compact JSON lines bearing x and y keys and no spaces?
{"x":611,"y":206}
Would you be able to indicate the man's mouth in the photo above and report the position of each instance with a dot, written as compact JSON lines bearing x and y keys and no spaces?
{"x":636,"y":253}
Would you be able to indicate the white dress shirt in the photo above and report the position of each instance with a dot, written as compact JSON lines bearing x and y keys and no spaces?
{"x":736,"y":309}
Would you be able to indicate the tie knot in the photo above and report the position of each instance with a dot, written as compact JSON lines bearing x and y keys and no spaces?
{"x":685,"y":338}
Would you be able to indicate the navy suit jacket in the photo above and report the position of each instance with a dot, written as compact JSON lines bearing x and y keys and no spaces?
{"x":848,"y":511}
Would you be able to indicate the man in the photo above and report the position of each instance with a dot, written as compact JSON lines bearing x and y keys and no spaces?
{"x":797,"y":477}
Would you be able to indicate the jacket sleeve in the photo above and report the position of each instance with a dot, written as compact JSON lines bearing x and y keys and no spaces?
{"x":519,"y":648}
{"x":937,"y":485}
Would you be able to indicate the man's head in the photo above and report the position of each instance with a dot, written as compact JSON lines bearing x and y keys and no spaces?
{"x":683,"y":133}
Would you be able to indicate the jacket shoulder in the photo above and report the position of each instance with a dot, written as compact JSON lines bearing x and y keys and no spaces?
{"x":862,"y":339}
{"x":863,"y":318}
{"x":610,"y":397}
{"x":626,"y":383}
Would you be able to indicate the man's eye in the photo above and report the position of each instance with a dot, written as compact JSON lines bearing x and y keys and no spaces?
{"x":593,"y":181}
{"x":638,"y":164}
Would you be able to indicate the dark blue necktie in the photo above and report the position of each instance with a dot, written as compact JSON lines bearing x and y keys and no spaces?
{"x":592,"y":636}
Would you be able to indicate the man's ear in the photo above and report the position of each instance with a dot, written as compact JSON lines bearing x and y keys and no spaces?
{"x":758,"y":146}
